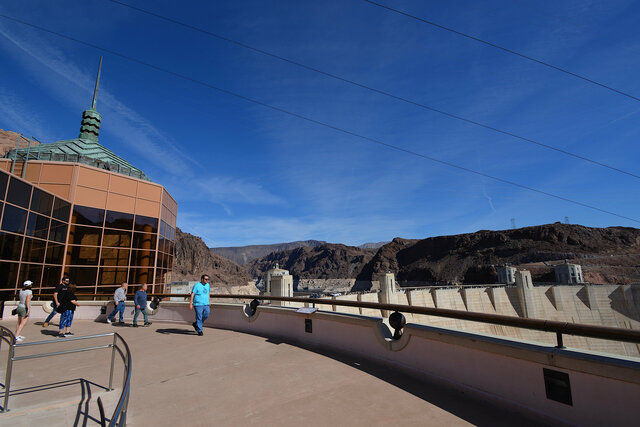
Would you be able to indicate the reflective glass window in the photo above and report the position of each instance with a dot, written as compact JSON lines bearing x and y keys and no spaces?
{"x":51,"y":275}
{"x":170,"y":262}
{"x":10,"y":247}
{"x":19,"y":193}
{"x":172,"y":234}
{"x":41,"y":202}
{"x":37,"y":226}
{"x":85,"y":235}
{"x":139,"y":276}
{"x":112,"y":276}
{"x":58,"y":231}
{"x":143,"y":258}
{"x":4,"y":178}
{"x":163,"y":228}
{"x":112,"y":256}
{"x":14,"y":219}
{"x":82,"y":255}
{"x":144,"y":241}
{"x":87,"y":216}
{"x":161,"y":275}
{"x":55,"y":253}
{"x":31,"y":272}
{"x":146,"y":224}
{"x":119,"y":220}
{"x":114,"y":238}
{"x":161,"y":244}
{"x":83,"y":277}
{"x":61,"y":210}
{"x":33,"y":250}
{"x":8,"y":277}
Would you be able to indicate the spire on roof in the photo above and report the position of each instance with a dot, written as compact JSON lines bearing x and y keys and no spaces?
{"x":95,"y":91}
{"x":90,"y":127}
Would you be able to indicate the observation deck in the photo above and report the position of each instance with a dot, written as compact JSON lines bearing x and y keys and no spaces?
{"x":273,"y":366}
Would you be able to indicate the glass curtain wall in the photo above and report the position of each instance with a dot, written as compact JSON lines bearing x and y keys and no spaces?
{"x":33,"y":232}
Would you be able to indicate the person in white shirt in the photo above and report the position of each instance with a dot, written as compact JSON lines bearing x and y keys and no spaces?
{"x":24,"y":308}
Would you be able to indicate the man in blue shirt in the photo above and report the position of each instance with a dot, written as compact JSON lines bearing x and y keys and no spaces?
{"x":200,"y":302}
{"x":140,"y":300}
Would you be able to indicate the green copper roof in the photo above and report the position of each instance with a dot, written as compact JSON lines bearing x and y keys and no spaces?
{"x":84,"y":149}
{"x":80,"y":151}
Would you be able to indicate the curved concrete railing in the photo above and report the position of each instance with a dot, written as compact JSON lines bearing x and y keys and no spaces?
{"x":558,"y":385}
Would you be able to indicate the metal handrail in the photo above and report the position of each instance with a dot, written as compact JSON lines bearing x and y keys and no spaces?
{"x":119,"y":414}
{"x":557,"y":327}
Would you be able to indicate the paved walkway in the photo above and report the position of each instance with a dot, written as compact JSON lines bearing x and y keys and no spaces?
{"x":226,"y":378}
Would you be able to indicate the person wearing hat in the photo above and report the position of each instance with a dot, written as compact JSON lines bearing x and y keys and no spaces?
{"x":24,"y":308}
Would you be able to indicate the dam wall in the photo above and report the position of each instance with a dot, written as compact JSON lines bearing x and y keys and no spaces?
{"x":605,"y":305}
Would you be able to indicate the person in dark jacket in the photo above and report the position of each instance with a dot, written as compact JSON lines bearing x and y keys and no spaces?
{"x":140,"y":300}
{"x":57,"y":296}
{"x":67,"y":307}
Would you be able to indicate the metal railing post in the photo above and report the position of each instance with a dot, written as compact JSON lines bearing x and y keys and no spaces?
{"x":113,"y":359}
{"x":559,"y":340}
{"x":7,"y":378}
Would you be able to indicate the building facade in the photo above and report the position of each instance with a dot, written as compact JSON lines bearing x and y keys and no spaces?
{"x":67,"y":211}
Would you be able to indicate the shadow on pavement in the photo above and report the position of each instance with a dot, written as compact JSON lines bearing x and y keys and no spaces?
{"x":176,"y":331}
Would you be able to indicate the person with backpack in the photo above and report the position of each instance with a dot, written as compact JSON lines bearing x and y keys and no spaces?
{"x":67,"y":307}
{"x":57,"y":294}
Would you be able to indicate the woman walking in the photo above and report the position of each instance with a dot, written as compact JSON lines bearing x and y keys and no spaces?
{"x":24,"y":308}
{"x":68,"y":305}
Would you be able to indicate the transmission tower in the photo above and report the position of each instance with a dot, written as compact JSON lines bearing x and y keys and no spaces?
{"x":566,"y":220}
{"x":513,"y":223}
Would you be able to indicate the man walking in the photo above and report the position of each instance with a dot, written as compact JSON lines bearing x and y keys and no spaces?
{"x":140,"y":300}
{"x":119,"y":297}
{"x":200,"y":302}
{"x":57,"y":295}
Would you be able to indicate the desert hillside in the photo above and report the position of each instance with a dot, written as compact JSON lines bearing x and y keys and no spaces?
{"x":193,"y":259}
{"x":327,"y":261}
{"x":608,"y":255}
{"x":245,"y":254}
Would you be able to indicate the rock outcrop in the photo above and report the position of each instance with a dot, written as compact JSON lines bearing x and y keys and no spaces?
{"x":327,"y":261}
{"x":245,"y":254}
{"x":193,"y":258}
{"x":608,"y":255}
{"x":8,"y":141}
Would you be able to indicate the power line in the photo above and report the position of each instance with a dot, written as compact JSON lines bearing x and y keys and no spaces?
{"x":513,"y":52}
{"x":372,"y":89}
{"x":311,"y":120}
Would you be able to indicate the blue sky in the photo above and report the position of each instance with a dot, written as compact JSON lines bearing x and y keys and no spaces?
{"x":245,"y":174}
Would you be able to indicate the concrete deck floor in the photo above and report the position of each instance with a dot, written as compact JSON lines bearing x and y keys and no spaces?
{"x":226,"y":378}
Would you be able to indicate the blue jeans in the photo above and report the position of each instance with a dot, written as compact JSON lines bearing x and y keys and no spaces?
{"x":53,"y":313}
{"x":65,"y":319}
{"x":202,"y":313}
{"x":117,"y":308}
{"x":138,"y":311}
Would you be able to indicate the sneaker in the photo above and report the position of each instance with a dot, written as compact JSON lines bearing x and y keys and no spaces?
{"x":66,"y":334}
{"x":108,"y":320}
{"x":62,"y":335}
{"x":195,"y":326}
{"x":121,"y":322}
{"x":45,"y":324}
{"x":18,"y":339}
{"x":20,"y":336}
{"x":200,"y":334}
{"x":147,"y":324}
{"x":135,"y":325}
